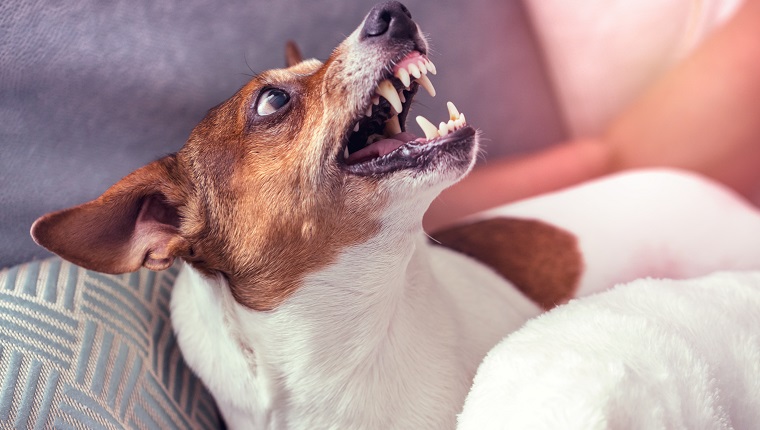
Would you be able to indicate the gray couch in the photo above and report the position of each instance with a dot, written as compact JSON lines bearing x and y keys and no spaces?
{"x":90,"y":91}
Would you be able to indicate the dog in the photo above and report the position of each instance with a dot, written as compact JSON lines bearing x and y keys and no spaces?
{"x":310,"y":296}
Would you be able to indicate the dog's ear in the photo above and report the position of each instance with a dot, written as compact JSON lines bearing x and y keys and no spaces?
{"x":292,"y":54}
{"x":134,"y":223}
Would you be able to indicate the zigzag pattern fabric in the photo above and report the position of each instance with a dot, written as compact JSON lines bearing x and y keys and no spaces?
{"x":83,"y":350}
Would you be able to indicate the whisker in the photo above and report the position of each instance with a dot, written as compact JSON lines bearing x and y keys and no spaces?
{"x":432,"y":238}
{"x":245,"y":58}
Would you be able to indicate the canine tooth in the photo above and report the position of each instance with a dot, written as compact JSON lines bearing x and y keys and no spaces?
{"x":403,"y":76}
{"x":423,"y":69}
{"x":425,"y":82}
{"x":464,"y":121}
{"x":431,"y":67}
{"x":431,"y":132}
{"x":453,"y":112}
{"x":443,"y":130}
{"x":392,"y":126}
{"x":414,"y":70}
{"x":356,"y":127}
{"x":401,"y":96}
{"x":376,"y":100}
{"x":346,"y":153}
{"x":386,"y":89}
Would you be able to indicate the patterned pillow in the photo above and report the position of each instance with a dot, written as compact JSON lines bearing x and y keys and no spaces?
{"x":79,"y":349}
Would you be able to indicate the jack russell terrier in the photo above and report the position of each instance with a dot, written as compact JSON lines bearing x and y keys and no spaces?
{"x":310,"y":296}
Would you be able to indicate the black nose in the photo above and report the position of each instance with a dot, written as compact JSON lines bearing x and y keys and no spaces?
{"x":389,"y":20}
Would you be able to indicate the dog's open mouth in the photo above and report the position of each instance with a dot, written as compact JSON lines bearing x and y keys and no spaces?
{"x":379,"y":141}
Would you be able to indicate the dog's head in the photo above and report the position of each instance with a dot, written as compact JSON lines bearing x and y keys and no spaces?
{"x":299,"y":164}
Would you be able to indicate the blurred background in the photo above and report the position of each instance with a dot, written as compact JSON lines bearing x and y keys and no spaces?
{"x":91,"y":90}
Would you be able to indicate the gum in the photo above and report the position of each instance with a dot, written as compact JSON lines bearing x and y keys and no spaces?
{"x":413,"y":58}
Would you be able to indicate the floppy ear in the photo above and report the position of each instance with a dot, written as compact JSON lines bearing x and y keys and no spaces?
{"x":134,"y":223}
{"x":292,"y":54}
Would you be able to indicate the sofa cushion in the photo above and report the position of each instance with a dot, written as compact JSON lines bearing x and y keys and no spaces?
{"x":79,"y":349}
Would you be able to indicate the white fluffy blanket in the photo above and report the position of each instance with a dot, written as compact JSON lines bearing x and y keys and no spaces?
{"x":652,"y":354}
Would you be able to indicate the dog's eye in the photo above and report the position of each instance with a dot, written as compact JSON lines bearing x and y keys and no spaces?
{"x":271,"y":100}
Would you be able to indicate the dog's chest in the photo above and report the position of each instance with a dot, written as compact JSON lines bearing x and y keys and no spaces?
{"x":369,"y":351}
{"x":201,"y":323}
{"x":318,"y":383}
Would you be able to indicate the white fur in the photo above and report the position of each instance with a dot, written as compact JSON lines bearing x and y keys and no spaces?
{"x":389,"y":346}
{"x":393,"y":342}
{"x":655,"y":222}
{"x":653,"y":354}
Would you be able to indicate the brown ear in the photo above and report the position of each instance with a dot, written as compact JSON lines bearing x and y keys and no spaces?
{"x":134,"y":223}
{"x":292,"y":54}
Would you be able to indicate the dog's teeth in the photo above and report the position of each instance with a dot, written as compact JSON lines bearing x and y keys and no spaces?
{"x":414,"y":70}
{"x":453,"y":112}
{"x":403,"y":76}
{"x":443,"y":129}
{"x":369,"y":111}
{"x":421,"y":65}
{"x":386,"y":89}
{"x":376,"y":100}
{"x":431,"y":132}
{"x":356,"y":127}
{"x":464,"y":121}
{"x":401,"y":96}
{"x":392,"y":127}
{"x":345,"y":153}
{"x":431,"y":67}
{"x":425,"y":82}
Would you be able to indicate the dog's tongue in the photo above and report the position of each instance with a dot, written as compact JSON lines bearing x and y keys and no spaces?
{"x":380,"y":148}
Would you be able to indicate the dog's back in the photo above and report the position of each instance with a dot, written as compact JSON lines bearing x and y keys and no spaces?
{"x":646,"y":223}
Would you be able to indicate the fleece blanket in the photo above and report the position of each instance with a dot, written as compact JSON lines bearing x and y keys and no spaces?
{"x":651,"y":354}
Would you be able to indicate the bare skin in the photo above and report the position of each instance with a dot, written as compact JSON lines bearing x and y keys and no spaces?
{"x":703,"y":115}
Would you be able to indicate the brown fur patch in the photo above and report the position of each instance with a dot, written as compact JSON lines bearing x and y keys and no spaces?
{"x":273,"y":205}
{"x":541,"y":260}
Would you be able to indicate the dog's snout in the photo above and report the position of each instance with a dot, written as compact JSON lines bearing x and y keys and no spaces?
{"x":390,"y":20}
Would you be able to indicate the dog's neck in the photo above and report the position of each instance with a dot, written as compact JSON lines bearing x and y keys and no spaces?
{"x":360,"y":335}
